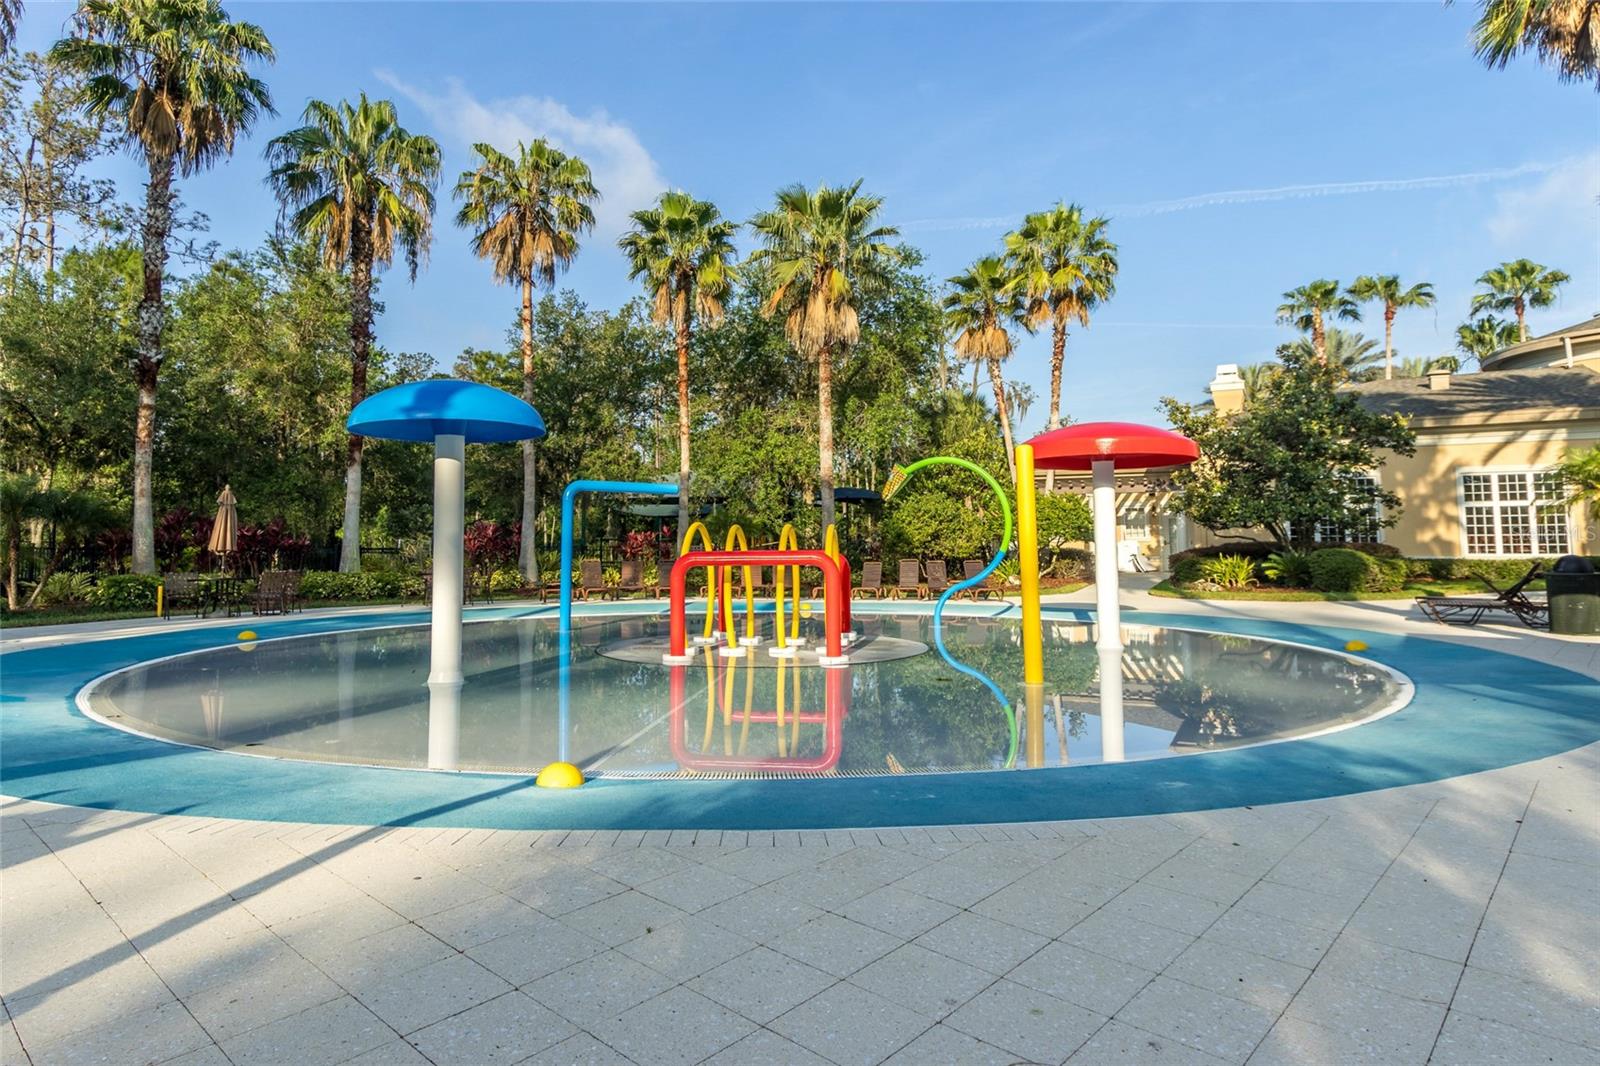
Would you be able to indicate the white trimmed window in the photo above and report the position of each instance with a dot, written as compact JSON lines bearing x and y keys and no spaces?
{"x":1513,"y":512}
{"x":1364,"y":529}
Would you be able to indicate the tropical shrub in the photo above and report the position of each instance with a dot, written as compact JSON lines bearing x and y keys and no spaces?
{"x":1071,"y":563}
{"x":126,"y":592}
{"x":1228,"y":571}
{"x":505,"y":579}
{"x":1186,"y":564}
{"x":1062,"y":518}
{"x":65,"y":589}
{"x":1289,"y":568}
{"x":489,"y":544}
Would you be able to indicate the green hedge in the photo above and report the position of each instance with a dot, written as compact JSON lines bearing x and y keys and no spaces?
{"x":1348,"y":570}
{"x":367,"y":585}
{"x":126,"y":592}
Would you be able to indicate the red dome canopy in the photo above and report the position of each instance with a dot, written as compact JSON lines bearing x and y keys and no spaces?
{"x":1126,"y":444}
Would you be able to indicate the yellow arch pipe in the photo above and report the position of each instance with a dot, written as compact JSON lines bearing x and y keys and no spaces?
{"x":788,"y":540}
{"x":706,"y":544}
{"x":736,"y":541}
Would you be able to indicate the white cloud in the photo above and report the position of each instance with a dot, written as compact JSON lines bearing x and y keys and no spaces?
{"x":624,"y":171}
{"x":1275,"y":193}
{"x":1556,"y":204}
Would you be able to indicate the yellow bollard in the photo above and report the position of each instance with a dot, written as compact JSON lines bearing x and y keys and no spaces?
{"x":1028,"y":558}
{"x":1034,"y":700}
{"x":160,"y":600}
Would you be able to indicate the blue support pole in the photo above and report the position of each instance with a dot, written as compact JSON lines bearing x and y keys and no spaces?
{"x":569,"y":497}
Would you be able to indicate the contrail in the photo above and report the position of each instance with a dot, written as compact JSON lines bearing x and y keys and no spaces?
{"x":1254,"y":196}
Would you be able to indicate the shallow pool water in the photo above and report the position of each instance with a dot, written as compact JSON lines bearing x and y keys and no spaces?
{"x":361,"y":697}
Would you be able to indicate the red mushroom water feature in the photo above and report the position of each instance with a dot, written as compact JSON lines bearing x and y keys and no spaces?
{"x":1100,"y":448}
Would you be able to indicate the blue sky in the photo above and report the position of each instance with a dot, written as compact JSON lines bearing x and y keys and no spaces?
{"x":1241,"y":149}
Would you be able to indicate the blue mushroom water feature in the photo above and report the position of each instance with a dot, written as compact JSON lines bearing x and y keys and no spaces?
{"x":451,"y":414}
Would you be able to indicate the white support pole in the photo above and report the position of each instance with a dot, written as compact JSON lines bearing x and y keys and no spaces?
{"x":1108,"y":613}
{"x":444,"y":673}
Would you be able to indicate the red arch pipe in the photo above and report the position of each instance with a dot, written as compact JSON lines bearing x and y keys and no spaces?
{"x":834,"y":580}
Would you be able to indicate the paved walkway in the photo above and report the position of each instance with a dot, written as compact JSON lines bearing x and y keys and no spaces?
{"x":1455,"y":922}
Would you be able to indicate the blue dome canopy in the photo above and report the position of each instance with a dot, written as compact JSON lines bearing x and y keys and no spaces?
{"x":422,"y":410}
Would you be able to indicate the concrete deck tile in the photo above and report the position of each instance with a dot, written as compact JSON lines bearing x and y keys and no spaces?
{"x":1149,"y":947}
{"x":1120,"y":1043}
{"x":761,"y":984}
{"x":676,"y":1028}
{"x":897,"y":912}
{"x":982,"y":942}
{"x":420,"y":997}
{"x":928,"y":983}
{"x":580,"y":1050}
{"x":1028,"y":1023}
{"x":597,"y":988}
{"x":504,"y":1030}
{"x":687,"y":948}
{"x":325,"y":1034}
{"x":1244,"y":975}
{"x":950,"y":1047}
{"x":540,"y":949}
{"x":850,"y":1026}
{"x":1219,"y":1025}
{"x":1535,"y":1008}
{"x":767,"y":1048}
{"x":1469,"y":1041}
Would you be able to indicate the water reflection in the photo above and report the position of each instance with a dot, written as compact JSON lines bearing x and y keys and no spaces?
{"x":531,"y":697}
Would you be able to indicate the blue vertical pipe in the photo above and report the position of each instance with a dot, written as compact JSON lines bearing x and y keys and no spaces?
{"x":569,"y":497}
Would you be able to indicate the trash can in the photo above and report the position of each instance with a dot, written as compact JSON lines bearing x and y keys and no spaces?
{"x":1574,"y":591}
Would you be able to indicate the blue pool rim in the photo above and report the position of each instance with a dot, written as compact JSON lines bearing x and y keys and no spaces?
{"x":1473,"y":709}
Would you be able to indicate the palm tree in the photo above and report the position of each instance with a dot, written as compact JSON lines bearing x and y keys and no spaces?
{"x":683,"y":249}
{"x":823,"y":249}
{"x":1421,"y":366}
{"x":358,"y":185}
{"x":1580,"y":470}
{"x":10,"y":15}
{"x":982,"y":304}
{"x":1516,"y":286}
{"x":1308,"y":308}
{"x":1482,"y":337}
{"x":1065,"y":268}
{"x":526,"y":213}
{"x":1356,"y":355}
{"x":1565,"y":34}
{"x":1386,"y":289}
{"x":172,"y":76}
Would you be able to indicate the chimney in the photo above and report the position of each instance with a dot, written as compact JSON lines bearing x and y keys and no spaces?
{"x":1227,"y":389}
{"x":1438,"y":379}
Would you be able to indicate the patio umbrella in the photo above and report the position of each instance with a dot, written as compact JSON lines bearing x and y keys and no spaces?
{"x":225,"y":528}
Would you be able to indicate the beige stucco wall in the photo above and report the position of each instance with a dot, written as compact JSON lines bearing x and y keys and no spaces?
{"x":1430,"y":519}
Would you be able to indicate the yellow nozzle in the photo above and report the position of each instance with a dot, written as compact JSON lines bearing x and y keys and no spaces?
{"x":897,"y":477}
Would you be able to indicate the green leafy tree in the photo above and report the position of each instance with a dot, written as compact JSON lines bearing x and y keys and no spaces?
{"x":1310,"y":306}
{"x":21,"y":499}
{"x":172,"y":77}
{"x":823,"y":249}
{"x":74,"y":518}
{"x":359,"y":186}
{"x":45,"y":144}
{"x":682,"y":248}
{"x":1066,"y":267}
{"x":527,"y":212}
{"x":1420,"y":366}
{"x":1290,"y":460}
{"x":1565,"y":34}
{"x":1482,"y":337}
{"x":983,"y":303}
{"x":1387,"y":290}
{"x":1515,"y":286}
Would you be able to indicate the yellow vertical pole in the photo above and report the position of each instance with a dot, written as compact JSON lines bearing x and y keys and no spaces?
{"x":1028,"y":560}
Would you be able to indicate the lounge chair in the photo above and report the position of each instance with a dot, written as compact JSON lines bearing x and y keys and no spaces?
{"x":938,"y":577}
{"x":1469,"y":610}
{"x":970,"y":569}
{"x":631,"y":577}
{"x":871,"y":586}
{"x":591,"y":579}
{"x":910,"y":580}
{"x":274,"y":592}
{"x":181,"y":591}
